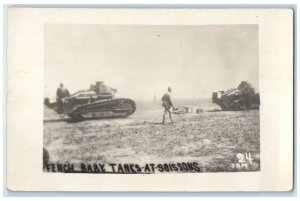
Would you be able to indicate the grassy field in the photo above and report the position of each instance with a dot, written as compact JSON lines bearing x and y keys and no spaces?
{"x":212,"y":139}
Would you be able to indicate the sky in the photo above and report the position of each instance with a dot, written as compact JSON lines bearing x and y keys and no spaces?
{"x":141,"y":61}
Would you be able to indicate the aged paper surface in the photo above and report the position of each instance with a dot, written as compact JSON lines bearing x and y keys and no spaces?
{"x":229,"y":73}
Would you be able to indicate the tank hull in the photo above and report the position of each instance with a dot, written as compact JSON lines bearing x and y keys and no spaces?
{"x":110,"y":108}
{"x":237,"y":102}
{"x":90,"y":108}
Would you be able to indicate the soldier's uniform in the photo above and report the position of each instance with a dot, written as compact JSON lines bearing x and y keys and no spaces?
{"x":60,"y":94}
{"x":167,"y":101}
{"x":167,"y":104}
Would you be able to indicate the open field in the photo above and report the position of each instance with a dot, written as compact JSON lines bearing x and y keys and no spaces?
{"x":212,"y":139}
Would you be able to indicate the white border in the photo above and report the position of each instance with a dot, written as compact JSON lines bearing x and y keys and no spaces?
{"x":36,"y":187}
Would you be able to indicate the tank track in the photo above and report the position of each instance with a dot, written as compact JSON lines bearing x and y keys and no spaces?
{"x":108,"y":108}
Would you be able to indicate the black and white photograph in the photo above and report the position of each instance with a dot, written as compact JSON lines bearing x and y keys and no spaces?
{"x":151,"y":99}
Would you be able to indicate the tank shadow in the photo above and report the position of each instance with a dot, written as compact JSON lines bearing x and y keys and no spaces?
{"x":55,"y":120}
{"x":94,"y":119}
{"x":70,"y":120}
{"x":244,"y":110}
{"x":216,"y":110}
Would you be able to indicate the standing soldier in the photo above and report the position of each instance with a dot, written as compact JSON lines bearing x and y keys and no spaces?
{"x":167,"y":104}
{"x":61,"y":93}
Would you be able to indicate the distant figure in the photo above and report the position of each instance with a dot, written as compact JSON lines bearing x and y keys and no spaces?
{"x":92,"y":87}
{"x":167,"y":104}
{"x":61,"y":93}
{"x":154,"y":98}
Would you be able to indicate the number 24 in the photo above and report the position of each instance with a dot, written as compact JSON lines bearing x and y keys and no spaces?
{"x":241,"y":157}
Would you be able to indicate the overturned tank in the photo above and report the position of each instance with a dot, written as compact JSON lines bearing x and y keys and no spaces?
{"x":241,"y":98}
{"x":97,"y":102}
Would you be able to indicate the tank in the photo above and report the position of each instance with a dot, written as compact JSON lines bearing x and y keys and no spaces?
{"x":97,"y":102}
{"x":241,"y":98}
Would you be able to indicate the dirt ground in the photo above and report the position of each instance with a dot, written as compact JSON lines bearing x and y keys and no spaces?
{"x":212,"y":139}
